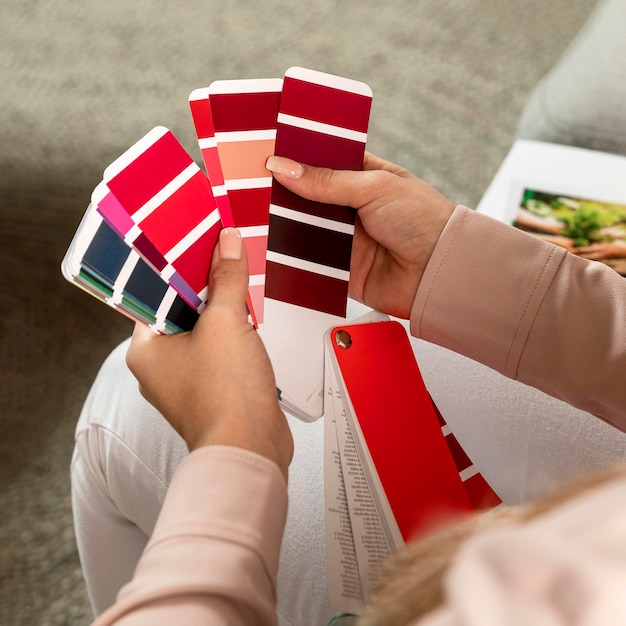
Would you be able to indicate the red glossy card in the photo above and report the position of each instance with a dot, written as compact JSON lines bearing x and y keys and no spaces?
{"x":399,"y":425}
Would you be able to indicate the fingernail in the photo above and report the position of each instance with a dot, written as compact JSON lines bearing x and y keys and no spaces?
{"x":230,"y":244}
{"x":286,"y":167}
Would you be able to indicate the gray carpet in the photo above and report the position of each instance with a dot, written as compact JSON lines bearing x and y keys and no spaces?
{"x":81,"y":81}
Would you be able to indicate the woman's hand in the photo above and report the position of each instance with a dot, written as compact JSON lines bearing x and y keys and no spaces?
{"x":400,"y":218}
{"x":602,"y":250}
{"x":215,"y":384}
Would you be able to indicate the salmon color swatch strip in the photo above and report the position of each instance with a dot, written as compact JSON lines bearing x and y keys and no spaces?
{"x":244,"y":114}
{"x":322,"y":121}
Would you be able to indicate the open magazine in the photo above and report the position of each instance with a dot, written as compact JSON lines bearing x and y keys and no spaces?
{"x":574,"y":196}
{"x":592,"y":228}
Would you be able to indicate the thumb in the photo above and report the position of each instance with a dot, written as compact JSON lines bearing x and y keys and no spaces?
{"x":140,"y":342}
{"x":341,"y":187}
{"x":228,"y":277}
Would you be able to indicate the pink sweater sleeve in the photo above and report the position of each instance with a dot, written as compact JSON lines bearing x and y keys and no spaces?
{"x":529,"y":310}
{"x":213,"y":556}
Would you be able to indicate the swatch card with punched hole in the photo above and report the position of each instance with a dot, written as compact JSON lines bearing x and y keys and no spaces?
{"x":403,"y":448}
{"x":104,"y":265}
{"x":375,"y":393}
{"x":392,"y":467}
{"x":352,"y":522}
{"x":322,"y":121}
{"x":170,"y":202}
{"x":243,"y":115}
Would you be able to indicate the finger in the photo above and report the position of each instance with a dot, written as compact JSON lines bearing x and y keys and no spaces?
{"x":321,"y":184}
{"x":372,"y":162}
{"x":141,"y":337}
{"x":228,"y":278}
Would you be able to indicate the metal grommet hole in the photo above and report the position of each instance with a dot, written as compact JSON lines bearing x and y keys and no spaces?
{"x":343,"y":339}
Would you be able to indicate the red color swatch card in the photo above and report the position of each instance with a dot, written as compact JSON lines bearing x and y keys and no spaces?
{"x":169,"y":202}
{"x":482,"y":497}
{"x":322,"y":121}
{"x":236,"y":125}
{"x":389,"y":473}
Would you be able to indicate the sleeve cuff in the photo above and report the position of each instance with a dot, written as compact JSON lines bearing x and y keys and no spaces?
{"x":482,"y":288}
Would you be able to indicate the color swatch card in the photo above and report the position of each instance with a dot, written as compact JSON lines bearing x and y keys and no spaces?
{"x":322,"y":121}
{"x":145,"y":243}
{"x":167,"y":201}
{"x":390,"y":471}
{"x":117,"y":219}
{"x":235,"y":121}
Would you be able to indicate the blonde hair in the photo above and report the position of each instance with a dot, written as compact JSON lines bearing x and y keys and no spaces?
{"x":412,"y":579}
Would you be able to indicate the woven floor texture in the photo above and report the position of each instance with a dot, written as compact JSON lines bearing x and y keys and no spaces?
{"x":81,"y":81}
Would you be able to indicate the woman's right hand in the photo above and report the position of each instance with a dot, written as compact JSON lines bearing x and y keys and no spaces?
{"x":400,"y":219}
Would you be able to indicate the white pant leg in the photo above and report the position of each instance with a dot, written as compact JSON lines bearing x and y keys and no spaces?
{"x":125,"y":456}
{"x":523,"y":441}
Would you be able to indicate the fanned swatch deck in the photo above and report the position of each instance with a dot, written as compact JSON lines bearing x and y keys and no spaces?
{"x":167,"y":213}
